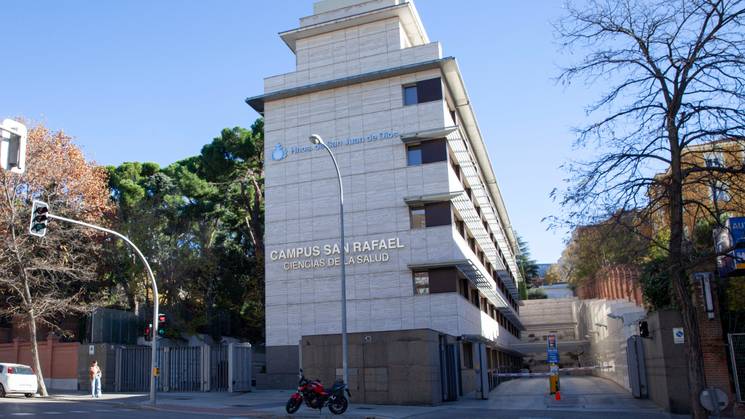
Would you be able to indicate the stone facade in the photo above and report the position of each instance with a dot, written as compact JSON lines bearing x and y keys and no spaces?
{"x":354,"y":60}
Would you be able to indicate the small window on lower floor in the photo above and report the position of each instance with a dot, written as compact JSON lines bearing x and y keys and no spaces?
{"x":418,"y":217}
{"x":421,"y":283}
{"x":410,"y":95}
{"x":414,"y":155}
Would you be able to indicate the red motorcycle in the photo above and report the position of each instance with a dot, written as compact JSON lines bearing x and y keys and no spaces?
{"x":316,"y":397}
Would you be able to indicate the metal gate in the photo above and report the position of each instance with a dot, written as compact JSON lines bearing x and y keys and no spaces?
{"x":132,"y":367}
{"x":449,"y":369}
{"x":181,"y":369}
{"x":637,"y":367}
{"x":219,"y":368}
{"x":737,"y":356}
{"x":185,"y":368}
{"x":241,"y":363}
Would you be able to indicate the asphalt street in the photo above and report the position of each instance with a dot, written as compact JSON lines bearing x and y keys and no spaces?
{"x":582,"y":398}
{"x":19,"y":407}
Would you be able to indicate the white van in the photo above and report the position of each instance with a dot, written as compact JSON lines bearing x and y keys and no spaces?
{"x":17,"y":378}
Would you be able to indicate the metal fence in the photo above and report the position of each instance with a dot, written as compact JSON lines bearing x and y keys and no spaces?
{"x":737,"y":356}
{"x":184,"y":368}
{"x":112,"y":326}
{"x":219,"y":368}
{"x":241,"y":362}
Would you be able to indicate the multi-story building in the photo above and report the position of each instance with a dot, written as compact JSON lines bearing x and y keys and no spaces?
{"x":432,"y":280}
{"x":708,"y":192}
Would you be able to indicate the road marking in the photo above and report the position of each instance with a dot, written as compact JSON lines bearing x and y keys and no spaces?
{"x":104,"y":410}
{"x":22,"y":414}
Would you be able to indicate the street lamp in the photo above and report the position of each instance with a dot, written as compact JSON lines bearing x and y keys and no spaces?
{"x":317,"y":140}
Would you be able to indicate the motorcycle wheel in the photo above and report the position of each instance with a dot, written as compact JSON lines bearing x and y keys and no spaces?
{"x":339,"y":405}
{"x":293,"y":405}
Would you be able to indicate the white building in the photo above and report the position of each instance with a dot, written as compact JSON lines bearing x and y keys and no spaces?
{"x":430,"y":248}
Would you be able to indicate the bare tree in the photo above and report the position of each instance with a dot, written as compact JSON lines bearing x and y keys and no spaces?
{"x":674,"y":70}
{"x":45,"y":279}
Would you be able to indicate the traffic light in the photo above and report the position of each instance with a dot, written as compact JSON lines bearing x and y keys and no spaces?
{"x":644,"y":329}
{"x":13,"y":146}
{"x":162,"y":323}
{"x":148,"y":331}
{"x":39,"y":219}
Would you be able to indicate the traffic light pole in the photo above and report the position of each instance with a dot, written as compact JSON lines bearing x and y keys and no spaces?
{"x":154,"y":362}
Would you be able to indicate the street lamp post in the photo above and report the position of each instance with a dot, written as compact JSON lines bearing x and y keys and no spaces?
{"x":154,"y":349}
{"x":317,"y":140}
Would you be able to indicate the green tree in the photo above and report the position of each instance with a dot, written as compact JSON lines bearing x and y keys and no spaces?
{"x":200,"y":220}
{"x":528,"y":266}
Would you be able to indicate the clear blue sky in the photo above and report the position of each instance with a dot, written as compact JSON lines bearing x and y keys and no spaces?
{"x":155,"y":80}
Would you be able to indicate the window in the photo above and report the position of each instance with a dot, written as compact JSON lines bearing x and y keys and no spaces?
{"x":475,"y":297}
{"x":410,"y":96}
{"x":456,"y":168}
{"x":418,"y":217}
{"x":464,"y":288}
{"x":430,"y":215}
{"x":719,"y":192}
{"x":423,"y":91}
{"x":427,"y":152}
{"x":714,"y":160}
{"x":414,"y":155}
{"x":460,"y":226}
{"x":421,"y":283}
{"x":443,"y":280}
{"x":438,"y":214}
{"x":467,"y":355}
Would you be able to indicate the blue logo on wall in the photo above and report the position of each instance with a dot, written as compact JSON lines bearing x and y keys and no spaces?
{"x":279,"y":152}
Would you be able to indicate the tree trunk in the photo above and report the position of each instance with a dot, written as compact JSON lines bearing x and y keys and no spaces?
{"x":35,"y":353}
{"x":682,"y":287}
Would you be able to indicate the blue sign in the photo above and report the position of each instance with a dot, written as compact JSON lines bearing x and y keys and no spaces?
{"x":739,"y":256}
{"x":280,"y":152}
{"x":552,"y":356}
{"x":737,"y":230}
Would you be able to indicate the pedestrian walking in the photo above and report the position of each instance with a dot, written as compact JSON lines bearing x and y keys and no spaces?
{"x":95,"y":376}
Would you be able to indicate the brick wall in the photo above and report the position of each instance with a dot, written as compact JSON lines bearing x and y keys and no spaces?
{"x":620,"y":282}
{"x":59,"y":360}
{"x":713,"y":345}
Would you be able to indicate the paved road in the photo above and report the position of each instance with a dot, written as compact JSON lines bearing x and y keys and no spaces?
{"x":15,"y":407}
{"x":527,"y":398}
{"x":581,"y":397}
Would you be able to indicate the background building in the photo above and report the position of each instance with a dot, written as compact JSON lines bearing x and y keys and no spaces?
{"x":432,"y":280}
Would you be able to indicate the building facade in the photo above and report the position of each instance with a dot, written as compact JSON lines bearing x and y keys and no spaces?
{"x":432,"y":279}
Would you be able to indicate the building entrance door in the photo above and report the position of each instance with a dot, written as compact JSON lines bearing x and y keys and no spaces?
{"x":449,"y":369}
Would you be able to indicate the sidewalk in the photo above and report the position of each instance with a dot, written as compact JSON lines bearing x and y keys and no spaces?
{"x":259,"y":403}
